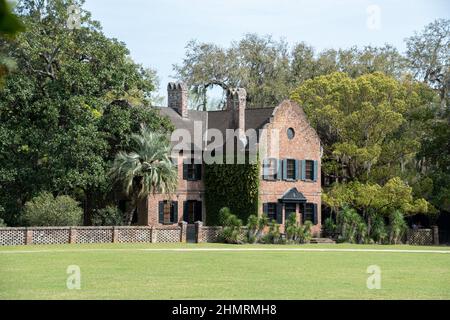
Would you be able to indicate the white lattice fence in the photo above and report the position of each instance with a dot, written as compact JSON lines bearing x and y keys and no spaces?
{"x":94,"y":234}
{"x":134,"y":234}
{"x":168,"y":235}
{"x":50,"y":235}
{"x":13,"y":236}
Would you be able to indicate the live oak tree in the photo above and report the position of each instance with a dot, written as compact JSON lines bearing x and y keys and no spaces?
{"x":367,"y":125}
{"x":428,"y":54}
{"x":56,"y":130}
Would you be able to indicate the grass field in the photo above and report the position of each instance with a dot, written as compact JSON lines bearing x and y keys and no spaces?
{"x":132,"y":272}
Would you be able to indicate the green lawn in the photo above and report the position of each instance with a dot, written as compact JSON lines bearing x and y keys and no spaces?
{"x":128,"y":272}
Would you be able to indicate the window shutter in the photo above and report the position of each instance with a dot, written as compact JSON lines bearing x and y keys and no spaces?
{"x":279,"y":169}
{"x":185,"y":171}
{"x":185,"y":211}
{"x":297,"y":170}
{"x":198,"y":211}
{"x":303,"y":175}
{"x":315,"y":214}
{"x":266,"y":169}
{"x":266,"y":209}
{"x":285,"y":169}
{"x":174,"y":212}
{"x":315,"y":170}
{"x":161,"y":212}
{"x":303,"y":211}
{"x":198,"y":172}
{"x":279,"y":213}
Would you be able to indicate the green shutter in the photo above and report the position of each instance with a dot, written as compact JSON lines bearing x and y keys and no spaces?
{"x":185,"y":171}
{"x":266,"y":209}
{"x":279,"y":170}
{"x":297,"y":170}
{"x":174,"y":211}
{"x":315,"y":170}
{"x":315,"y":214}
{"x":185,"y":211}
{"x":198,"y":172}
{"x":303,"y":169}
{"x":265,"y":169}
{"x":161,"y":212}
{"x":285,"y":169}
{"x":279,"y":213}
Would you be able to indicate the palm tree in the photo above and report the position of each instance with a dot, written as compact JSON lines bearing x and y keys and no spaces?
{"x":146,"y":169}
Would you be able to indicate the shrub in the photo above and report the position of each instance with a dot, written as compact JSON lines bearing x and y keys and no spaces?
{"x":397,"y":228}
{"x":231,"y":227}
{"x":252,"y":228}
{"x":46,"y":210}
{"x":2,"y":223}
{"x":291,"y":228}
{"x":304,"y":234}
{"x":109,"y":216}
{"x":274,"y":235}
{"x":329,"y":227}
{"x":378,"y":231}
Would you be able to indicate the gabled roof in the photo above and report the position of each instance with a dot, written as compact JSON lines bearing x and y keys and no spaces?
{"x":293,"y":196}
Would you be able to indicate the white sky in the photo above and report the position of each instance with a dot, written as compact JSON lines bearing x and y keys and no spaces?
{"x":157,"y":31}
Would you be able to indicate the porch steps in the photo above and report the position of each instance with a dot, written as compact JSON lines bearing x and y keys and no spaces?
{"x":322,"y":241}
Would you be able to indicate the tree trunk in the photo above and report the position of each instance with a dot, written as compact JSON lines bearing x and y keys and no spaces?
{"x":130,"y":212}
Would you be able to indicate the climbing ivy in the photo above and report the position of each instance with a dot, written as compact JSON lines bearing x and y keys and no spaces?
{"x":235,"y":186}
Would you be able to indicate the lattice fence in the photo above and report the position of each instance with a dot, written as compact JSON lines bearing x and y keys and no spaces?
{"x":210,"y":234}
{"x":168,"y":235}
{"x":13,"y":236}
{"x":94,"y":235}
{"x":134,"y":234}
{"x":421,"y":237}
{"x":50,"y":235}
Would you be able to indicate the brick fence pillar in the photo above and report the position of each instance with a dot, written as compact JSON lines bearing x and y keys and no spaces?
{"x":73,"y":236}
{"x":154,"y":232}
{"x":183,"y":230}
{"x":435,"y":235}
{"x":115,"y":235}
{"x":29,"y":236}
{"x":198,"y":231}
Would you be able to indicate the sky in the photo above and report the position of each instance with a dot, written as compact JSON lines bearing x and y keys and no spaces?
{"x":156,"y":31}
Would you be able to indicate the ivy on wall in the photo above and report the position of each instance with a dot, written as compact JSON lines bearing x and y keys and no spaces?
{"x":235,"y":186}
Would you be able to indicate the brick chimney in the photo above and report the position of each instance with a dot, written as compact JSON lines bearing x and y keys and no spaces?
{"x":177,"y":97}
{"x":236,"y":101}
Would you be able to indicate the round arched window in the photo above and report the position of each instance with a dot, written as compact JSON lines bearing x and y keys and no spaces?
{"x":291,"y":133}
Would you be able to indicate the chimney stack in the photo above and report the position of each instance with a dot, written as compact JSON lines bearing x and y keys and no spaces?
{"x":177,"y":97}
{"x":236,"y":101}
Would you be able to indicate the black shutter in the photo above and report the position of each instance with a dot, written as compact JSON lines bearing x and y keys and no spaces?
{"x":198,"y":172}
{"x":266,"y":209}
{"x":285,"y":169}
{"x":303,"y":213}
{"x":315,"y":214}
{"x":279,"y":213}
{"x":161,"y":212}
{"x":198,"y":211}
{"x":185,"y":211}
{"x":174,"y":212}
{"x":264,"y":169}
{"x":185,"y":171}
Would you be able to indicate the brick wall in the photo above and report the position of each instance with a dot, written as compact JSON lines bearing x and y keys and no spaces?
{"x":304,"y":146}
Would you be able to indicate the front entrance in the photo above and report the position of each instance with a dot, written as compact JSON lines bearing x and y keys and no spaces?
{"x":289,"y":209}
{"x":192,"y":211}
